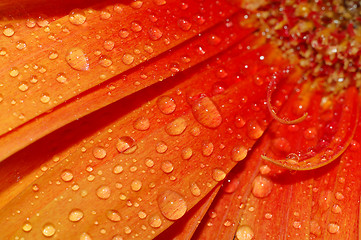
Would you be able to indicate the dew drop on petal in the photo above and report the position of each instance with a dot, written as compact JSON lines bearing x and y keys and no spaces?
{"x":207,"y":148}
{"x":167,"y":166}
{"x":261,"y":187}
{"x":254,"y":129}
{"x":45,"y":98}
{"x":27,"y":227}
{"x":184,"y":24}
{"x":14,"y":72}
{"x":333,"y":228}
{"x":85,"y":236}
{"x":61,"y":78}
{"x":113,"y":215}
{"x":124,"y":143}
{"x":195,"y":190}
{"x":141,"y":124}
{"x":136,"y":185}
{"x":128,"y":58}
{"x":187,"y":153}
{"x":123,"y":33}
{"x":77,"y":17}
{"x":76,"y":215}
{"x":99,"y":152}
{"x":103,"y":192}
{"x":67,"y":175}
{"x":166,"y":104}
{"x":155,"y":33}
{"x":105,"y":61}
{"x":176,"y":127}
{"x":161,"y":147}
{"x":108,"y":45}
{"x":239,"y":153}
{"x":172,"y":205}
{"x":8,"y":30}
{"x":77,"y":59}
{"x":48,"y":230}
{"x":206,"y":112}
{"x":244,"y":232}
{"x":218,"y":174}
{"x":117,"y":169}
{"x":230,"y":185}
{"x":155,"y":221}
{"x":136,"y":27}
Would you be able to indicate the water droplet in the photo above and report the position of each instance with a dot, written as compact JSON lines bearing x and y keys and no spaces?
{"x":113,"y":215}
{"x":77,"y":59}
{"x":117,"y":169}
{"x":136,"y":185}
{"x":325,"y":200}
{"x":124,"y":143}
{"x":27,"y":227}
{"x":230,"y":185}
{"x":45,"y":98}
{"x":207,"y":148}
{"x":167,"y":166}
{"x":155,"y":33}
{"x":136,"y":27}
{"x":85,"y":236}
{"x":239,"y":122}
{"x":76,"y":215}
{"x":155,"y":221}
{"x":161,"y":147}
{"x":14,"y":72}
{"x":333,"y":228}
{"x":184,"y":24}
{"x":218,"y":174}
{"x":77,"y":17}
{"x":61,"y":78}
{"x":99,"y":152}
{"x":254,"y":129}
{"x":105,"y":14}
{"x":239,"y":153}
{"x":166,"y":104}
{"x":108,"y":45}
{"x":117,"y":237}
{"x":281,"y":145}
{"x":195,"y":190}
{"x":176,"y":127}
{"x":310,"y":133}
{"x":244,"y":232}
{"x":48,"y":230}
{"x":160,"y":2}
{"x":30,"y":22}
{"x":336,"y":209}
{"x":20,"y":45}
{"x":206,"y":112}
{"x":23,"y":86}
{"x":8,"y":30}
{"x":261,"y":187}
{"x":172,"y":205}
{"x":105,"y":61}
{"x":128,"y":59}
{"x":141,"y":124}
{"x":123,"y":33}
{"x":187,"y":153}
{"x":103,"y":192}
{"x":136,"y":4}
{"x":67,"y":175}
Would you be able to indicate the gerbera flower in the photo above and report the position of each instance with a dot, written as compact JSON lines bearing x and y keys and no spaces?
{"x":178,"y":120}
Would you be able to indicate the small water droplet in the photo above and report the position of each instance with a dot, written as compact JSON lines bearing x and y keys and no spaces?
{"x":161,"y":147}
{"x":176,"y":127}
{"x":45,"y":98}
{"x":167,"y":166}
{"x":239,"y":153}
{"x":172,"y":205}
{"x":113,"y":215}
{"x":166,"y":104}
{"x":77,"y":17}
{"x":244,"y":232}
{"x":184,"y":24}
{"x":155,"y":33}
{"x":155,"y":221}
{"x":53,"y":55}
{"x":103,"y":192}
{"x":310,"y":133}
{"x":141,"y":124}
{"x":207,"y":148}
{"x":105,"y":14}
{"x":136,"y":27}
{"x":105,"y":61}
{"x":20,"y":45}
{"x":76,"y":215}
{"x":333,"y":228}
{"x":108,"y":45}
{"x":99,"y":152}
{"x":254,"y":129}
{"x":230,"y":185}
{"x":14,"y":72}
{"x":128,"y":59}
{"x":8,"y":30}
{"x":187,"y":153}
{"x":136,"y":185}
{"x":23,"y":86}
{"x":123,"y":33}
{"x":67,"y":175}
{"x":61,"y":78}
{"x":195,"y":190}
{"x":261,"y":187}
{"x":206,"y":112}
{"x":85,"y":236}
{"x":48,"y":230}
{"x":218,"y":174}
{"x":160,"y":2}
{"x":77,"y":59}
{"x":27,"y":227}
{"x":124,"y":143}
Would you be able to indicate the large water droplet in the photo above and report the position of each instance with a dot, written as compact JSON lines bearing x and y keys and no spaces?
{"x":124,"y":143}
{"x":172,"y":205}
{"x":167,"y":166}
{"x":176,"y":127}
{"x":128,"y":59}
{"x":77,"y":59}
{"x":76,"y":215}
{"x":48,"y":230}
{"x":136,"y":185}
{"x":244,"y":232}
{"x":254,"y":129}
{"x":187,"y":153}
{"x":8,"y":30}
{"x":218,"y":174}
{"x":206,"y":112}
{"x":155,"y":221}
{"x":166,"y":104}
{"x":261,"y":187}
{"x":27,"y":227}
{"x":67,"y":175}
{"x":103,"y":192}
{"x":239,"y":153}
{"x":77,"y":17}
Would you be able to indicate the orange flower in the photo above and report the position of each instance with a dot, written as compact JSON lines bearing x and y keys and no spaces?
{"x":153,"y":119}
